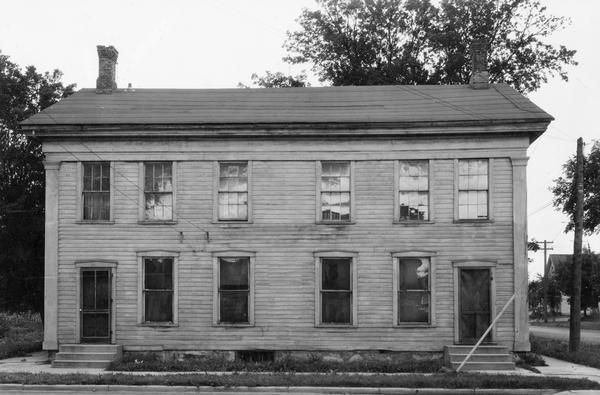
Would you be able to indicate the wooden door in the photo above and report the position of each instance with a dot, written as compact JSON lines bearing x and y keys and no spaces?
{"x":95,"y":305}
{"x":474,"y":305}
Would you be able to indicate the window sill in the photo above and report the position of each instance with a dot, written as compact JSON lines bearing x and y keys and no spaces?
{"x":336,"y":326}
{"x":170,"y":222}
{"x":414,"y":325}
{"x":474,"y":221}
{"x":225,"y":325}
{"x":159,"y":324}
{"x":94,"y":222}
{"x":336,"y":223}
{"x":413,"y":223}
{"x":236,"y":222}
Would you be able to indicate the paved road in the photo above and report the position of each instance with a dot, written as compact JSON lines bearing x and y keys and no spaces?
{"x":587,"y":335}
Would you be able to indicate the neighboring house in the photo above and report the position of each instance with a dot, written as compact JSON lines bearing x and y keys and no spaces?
{"x":306,"y":219}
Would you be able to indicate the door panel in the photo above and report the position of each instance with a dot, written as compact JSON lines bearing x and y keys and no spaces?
{"x":95,"y":305}
{"x":474,"y":304}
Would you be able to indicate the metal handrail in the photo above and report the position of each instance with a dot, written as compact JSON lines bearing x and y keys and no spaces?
{"x":486,"y":332}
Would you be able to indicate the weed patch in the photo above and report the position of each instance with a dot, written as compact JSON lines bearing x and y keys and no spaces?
{"x":588,"y":354}
{"x":20,"y":334}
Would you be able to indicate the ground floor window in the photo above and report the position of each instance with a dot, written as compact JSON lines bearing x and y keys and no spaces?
{"x":158,"y":289}
{"x":413,"y":290}
{"x":336,"y":290}
{"x":234,"y":297}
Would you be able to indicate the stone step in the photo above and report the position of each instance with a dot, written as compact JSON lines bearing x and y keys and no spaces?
{"x":470,"y":366}
{"x":481,"y":357}
{"x":90,"y":348}
{"x":80,"y":364}
{"x":83,"y":356}
{"x":485,"y":349}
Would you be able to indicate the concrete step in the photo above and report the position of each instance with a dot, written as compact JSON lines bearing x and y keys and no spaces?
{"x":470,"y":366}
{"x":80,"y":364}
{"x":90,"y":348}
{"x":83,"y":356}
{"x":481,"y":357}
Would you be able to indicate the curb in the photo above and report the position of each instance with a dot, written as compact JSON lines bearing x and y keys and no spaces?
{"x":159,"y":389}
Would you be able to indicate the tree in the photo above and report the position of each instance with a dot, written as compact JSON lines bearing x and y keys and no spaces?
{"x":374,"y":42}
{"x":23,"y":94}
{"x":590,"y":279}
{"x":535,"y":295}
{"x":277,"y":80}
{"x":565,"y":194}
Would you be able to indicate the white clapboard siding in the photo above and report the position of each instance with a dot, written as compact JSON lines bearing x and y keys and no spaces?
{"x":284,"y":237}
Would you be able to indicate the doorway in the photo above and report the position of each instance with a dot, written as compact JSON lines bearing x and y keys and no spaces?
{"x":474,"y":304}
{"x":96,"y":305}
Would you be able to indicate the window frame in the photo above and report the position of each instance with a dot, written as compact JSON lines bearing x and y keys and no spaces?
{"x":318,"y":203}
{"x":430,"y":187}
{"x":251,"y":256}
{"x":353,"y":256}
{"x":142,"y":194}
{"x":396,"y":257}
{"x":141,"y":255}
{"x":490,"y":192}
{"x":79,"y":183}
{"x":216,"y":178}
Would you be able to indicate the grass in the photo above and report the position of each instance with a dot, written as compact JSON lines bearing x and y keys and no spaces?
{"x":20,"y":334}
{"x":152,"y":362}
{"x":447,"y":380}
{"x":588,"y":354}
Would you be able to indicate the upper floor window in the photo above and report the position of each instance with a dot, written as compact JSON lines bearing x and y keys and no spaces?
{"x":158,"y":191}
{"x":473,"y":176}
{"x":96,"y":191}
{"x":335,"y":192}
{"x":413,"y":190}
{"x":233,"y":191}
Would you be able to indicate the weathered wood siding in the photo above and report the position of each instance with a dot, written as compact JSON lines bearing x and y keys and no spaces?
{"x":284,"y":236}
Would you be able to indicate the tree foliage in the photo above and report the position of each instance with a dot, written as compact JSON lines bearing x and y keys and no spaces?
{"x":277,"y":80}
{"x":565,"y":194}
{"x":376,"y":42}
{"x":590,"y":279}
{"x":535,"y":295}
{"x":22,"y":94}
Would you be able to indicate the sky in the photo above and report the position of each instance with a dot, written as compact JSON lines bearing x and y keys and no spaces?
{"x":220,"y":43}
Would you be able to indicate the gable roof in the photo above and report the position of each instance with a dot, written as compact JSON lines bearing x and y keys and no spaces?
{"x":559,"y":259}
{"x":404,"y":104}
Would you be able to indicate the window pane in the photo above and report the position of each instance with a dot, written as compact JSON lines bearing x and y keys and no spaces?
{"x":88,"y":290}
{"x":233,"y":307}
{"x":335,"y":274}
{"x":414,"y":274}
{"x":158,"y":306}
{"x":413,"y":307}
{"x":233,"y":273}
{"x":158,"y":177}
{"x":158,"y":273}
{"x":159,"y":206}
{"x":336,"y":307}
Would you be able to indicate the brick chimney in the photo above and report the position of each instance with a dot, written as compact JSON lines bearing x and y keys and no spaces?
{"x":107,"y":69}
{"x":480,"y":78}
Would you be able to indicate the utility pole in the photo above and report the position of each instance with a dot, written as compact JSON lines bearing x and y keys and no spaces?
{"x":545,"y":279}
{"x":575,"y":319}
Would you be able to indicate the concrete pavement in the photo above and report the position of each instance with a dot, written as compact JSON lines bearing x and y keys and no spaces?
{"x":555,"y":332}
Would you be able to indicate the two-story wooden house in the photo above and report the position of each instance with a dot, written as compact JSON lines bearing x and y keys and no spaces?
{"x":299,"y":219}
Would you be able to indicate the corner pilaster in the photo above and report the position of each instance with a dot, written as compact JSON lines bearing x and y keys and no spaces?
{"x":51,"y":258}
{"x":519,"y":173}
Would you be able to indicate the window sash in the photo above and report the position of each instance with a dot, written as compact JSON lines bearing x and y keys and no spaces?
{"x":232,"y":193}
{"x":335,"y":191}
{"x":413,"y":299}
{"x":336,"y":300}
{"x":95,"y":191}
{"x":473,"y":189}
{"x":413,"y":190}
{"x":234,"y":296}
{"x":157,"y":299}
{"x":158,"y":191}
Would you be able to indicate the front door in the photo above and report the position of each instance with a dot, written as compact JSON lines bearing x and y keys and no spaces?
{"x":474,"y":305}
{"x":95,"y":305}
